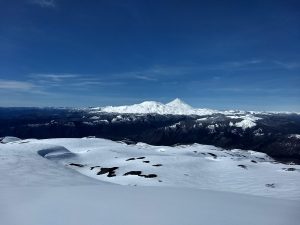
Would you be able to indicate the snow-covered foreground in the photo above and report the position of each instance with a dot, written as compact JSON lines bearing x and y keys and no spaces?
{"x":72,"y":181}
{"x":122,"y":205}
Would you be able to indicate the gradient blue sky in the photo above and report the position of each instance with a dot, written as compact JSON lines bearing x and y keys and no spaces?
{"x":216,"y":54}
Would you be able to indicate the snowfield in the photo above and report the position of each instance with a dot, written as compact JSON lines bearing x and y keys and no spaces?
{"x":90,"y":180}
{"x":122,"y":205}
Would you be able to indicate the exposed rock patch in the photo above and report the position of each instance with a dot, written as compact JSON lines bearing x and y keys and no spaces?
{"x":270,"y":185}
{"x":289,"y":169}
{"x":139,"y":173}
{"x":93,"y":167}
{"x":157,"y":165}
{"x":212,"y":154}
{"x":110,"y":171}
{"x":243,"y":166}
{"x":130,"y":159}
{"x":76,"y":164}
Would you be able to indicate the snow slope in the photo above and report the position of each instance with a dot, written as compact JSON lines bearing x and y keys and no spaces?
{"x":9,"y":139}
{"x":22,"y":165}
{"x":195,"y":166}
{"x":124,"y":205}
{"x":59,"y":181}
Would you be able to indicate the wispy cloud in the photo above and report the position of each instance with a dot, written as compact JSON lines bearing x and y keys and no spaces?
{"x":88,"y":83}
{"x":71,"y":81}
{"x":158,"y":72}
{"x":44,"y":3}
{"x":16,"y":85}
{"x":161,"y":72}
{"x":154,"y":73}
{"x":151,"y":74}
{"x":288,"y":65}
{"x":243,"y":63}
{"x":265,"y":64}
{"x":251,"y":90}
{"x":55,"y":77}
{"x":146,"y":78}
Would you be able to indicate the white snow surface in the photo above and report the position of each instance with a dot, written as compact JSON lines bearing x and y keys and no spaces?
{"x":194,"y":166}
{"x":9,"y":139}
{"x":124,"y":205}
{"x":296,"y":136}
{"x":195,"y":184}
{"x":247,"y":122}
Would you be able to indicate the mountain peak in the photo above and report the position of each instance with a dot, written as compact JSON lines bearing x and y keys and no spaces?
{"x":178,"y":103}
{"x":176,"y":100}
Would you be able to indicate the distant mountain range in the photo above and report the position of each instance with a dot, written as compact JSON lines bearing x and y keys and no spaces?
{"x":175,"y":107}
{"x":277,"y":134}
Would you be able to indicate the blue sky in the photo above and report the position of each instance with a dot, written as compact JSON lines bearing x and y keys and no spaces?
{"x":216,"y":54}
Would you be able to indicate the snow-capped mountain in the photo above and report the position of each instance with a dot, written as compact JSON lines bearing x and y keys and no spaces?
{"x":175,"y":107}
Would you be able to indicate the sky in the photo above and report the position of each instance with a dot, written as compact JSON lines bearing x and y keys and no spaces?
{"x":214,"y":54}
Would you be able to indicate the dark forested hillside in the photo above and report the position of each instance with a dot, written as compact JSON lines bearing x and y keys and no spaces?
{"x":274,"y":134}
